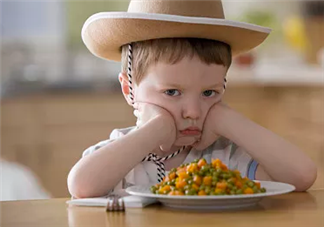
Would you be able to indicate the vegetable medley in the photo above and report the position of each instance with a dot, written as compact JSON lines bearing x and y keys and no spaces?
{"x":200,"y":178}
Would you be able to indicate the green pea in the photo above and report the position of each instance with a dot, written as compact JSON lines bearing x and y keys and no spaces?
{"x":234,"y":188}
{"x":188,"y":179}
{"x":153,"y":189}
{"x":202,"y":187}
{"x":173,"y":170}
{"x":214,"y":178}
{"x":204,"y":168}
{"x":250,"y":184}
{"x":226,"y":176}
{"x":263,"y":190}
{"x":230,"y":181}
{"x":191,"y":191}
{"x":189,"y":174}
{"x":212,"y":193}
{"x":182,"y":165}
{"x":219,"y":171}
{"x":201,"y":173}
{"x":207,"y":189}
{"x":239,"y":191}
{"x":230,"y":186}
{"x":255,"y":189}
{"x":196,"y":160}
{"x":214,"y":183}
{"x":232,"y":192}
{"x":187,"y":187}
{"x":232,"y":174}
{"x":215,"y":174}
{"x":173,"y":181}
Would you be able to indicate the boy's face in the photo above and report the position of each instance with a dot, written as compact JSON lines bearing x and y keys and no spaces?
{"x":187,"y":89}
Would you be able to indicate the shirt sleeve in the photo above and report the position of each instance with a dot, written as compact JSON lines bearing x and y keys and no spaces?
{"x":115,"y":134}
{"x":239,"y":159}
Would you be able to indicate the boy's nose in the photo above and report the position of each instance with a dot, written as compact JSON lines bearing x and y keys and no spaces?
{"x":191,"y":110}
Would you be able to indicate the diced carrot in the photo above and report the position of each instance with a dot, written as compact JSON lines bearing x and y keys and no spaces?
{"x":202,"y":192}
{"x":180,"y":170}
{"x":172,"y":175}
{"x":197,"y":180}
{"x":237,"y":172}
{"x":238,"y":184}
{"x":233,"y":179}
{"x":223,"y":167}
{"x":219,"y":190}
{"x":179,"y":193}
{"x":257,"y":184}
{"x":221,"y":185}
{"x":165,"y":189}
{"x":166,"y":178}
{"x":181,"y":184}
{"x":216,"y":162}
{"x":172,"y":193}
{"x":248,"y":191}
{"x":183,"y":175}
{"x":207,"y":180}
{"x":196,"y":187}
{"x":193,"y":167}
{"x":202,"y":162}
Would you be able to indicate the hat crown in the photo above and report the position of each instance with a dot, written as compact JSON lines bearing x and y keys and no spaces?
{"x":191,"y":8}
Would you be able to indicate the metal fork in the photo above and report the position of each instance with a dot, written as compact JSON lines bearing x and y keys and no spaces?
{"x":115,"y":203}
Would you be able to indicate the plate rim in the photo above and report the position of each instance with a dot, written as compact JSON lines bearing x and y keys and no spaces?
{"x":289,"y":189}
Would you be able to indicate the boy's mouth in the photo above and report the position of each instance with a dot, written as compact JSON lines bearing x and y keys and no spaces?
{"x":191,"y":131}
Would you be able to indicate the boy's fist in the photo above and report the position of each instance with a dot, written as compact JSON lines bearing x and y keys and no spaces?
{"x":146,"y":112}
{"x":212,"y":126}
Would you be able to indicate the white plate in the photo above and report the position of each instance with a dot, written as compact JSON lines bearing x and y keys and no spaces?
{"x":213,"y":202}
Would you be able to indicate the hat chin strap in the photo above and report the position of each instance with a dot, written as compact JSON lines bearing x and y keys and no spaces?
{"x":158,"y":161}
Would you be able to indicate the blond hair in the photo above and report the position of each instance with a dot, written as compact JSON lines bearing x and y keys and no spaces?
{"x":173,"y":50}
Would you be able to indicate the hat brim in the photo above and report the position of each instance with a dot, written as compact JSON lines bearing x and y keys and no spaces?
{"x":105,"y":33}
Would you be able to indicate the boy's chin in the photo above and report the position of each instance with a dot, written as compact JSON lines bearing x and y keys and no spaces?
{"x":185,"y":141}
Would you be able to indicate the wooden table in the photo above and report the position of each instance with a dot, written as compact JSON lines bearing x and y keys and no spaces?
{"x":295,"y":209}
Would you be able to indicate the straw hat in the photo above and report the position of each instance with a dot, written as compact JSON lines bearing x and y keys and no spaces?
{"x":104,"y":33}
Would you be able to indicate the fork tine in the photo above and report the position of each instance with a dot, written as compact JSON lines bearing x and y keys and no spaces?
{"x":115,"y":203}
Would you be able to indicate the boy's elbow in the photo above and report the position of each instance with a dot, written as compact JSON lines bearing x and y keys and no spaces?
{"x":306,"y":179}
{"x":77,"y":187}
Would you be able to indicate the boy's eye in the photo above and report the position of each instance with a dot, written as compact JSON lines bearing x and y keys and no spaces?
{"x":209,"y":93}
{"x":172,"y":92}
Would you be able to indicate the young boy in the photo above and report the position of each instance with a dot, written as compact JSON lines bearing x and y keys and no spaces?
{"x":175,"y":56}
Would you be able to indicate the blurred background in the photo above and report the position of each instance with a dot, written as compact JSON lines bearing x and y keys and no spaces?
{"x":57,"y":99}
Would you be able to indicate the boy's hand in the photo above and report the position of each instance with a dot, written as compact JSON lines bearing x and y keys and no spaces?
{"x":212,"y":126}
{"x":146,"y":112}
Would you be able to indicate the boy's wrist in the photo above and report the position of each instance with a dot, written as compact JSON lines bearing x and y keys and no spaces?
{"x":155,"y":131}
{"x":229,"y":120}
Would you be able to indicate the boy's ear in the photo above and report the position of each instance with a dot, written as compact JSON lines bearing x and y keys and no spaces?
{"x":123,"y":80}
